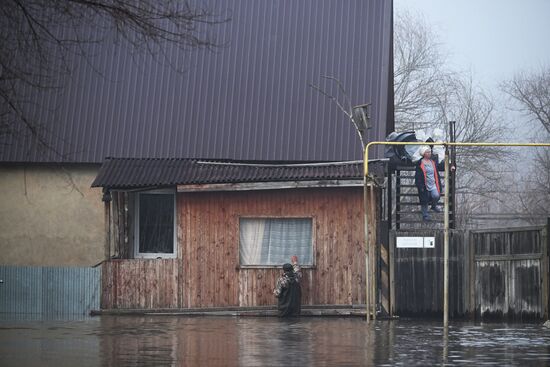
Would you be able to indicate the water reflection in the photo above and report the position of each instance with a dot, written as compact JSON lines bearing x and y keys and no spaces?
{"x":230,"y":341}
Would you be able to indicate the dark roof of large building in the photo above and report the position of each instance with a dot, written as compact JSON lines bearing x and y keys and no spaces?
{"x":250,"y":99}
{"x":132,"y":172}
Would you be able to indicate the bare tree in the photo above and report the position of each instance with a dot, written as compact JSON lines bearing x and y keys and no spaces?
{"x":530,"y":93}
{"x":420,"y":78}
{"x":428,"y":95}
{"x":39,"y":37}
{"x":534,"y":189}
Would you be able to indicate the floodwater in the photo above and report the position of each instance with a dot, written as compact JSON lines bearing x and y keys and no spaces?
{"x":246,"y":341}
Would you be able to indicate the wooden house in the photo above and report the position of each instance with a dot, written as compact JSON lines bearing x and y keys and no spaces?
{"x":248,"y":105}
{"x":203,"y":233}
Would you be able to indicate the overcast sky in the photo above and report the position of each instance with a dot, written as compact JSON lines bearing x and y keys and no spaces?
{"x":492,"y":38}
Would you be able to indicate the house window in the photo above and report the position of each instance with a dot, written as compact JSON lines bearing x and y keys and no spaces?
{"x":155,"y":232}
{"x":272,"y":241}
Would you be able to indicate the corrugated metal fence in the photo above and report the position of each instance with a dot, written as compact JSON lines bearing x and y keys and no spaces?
{"x":49,"y":291}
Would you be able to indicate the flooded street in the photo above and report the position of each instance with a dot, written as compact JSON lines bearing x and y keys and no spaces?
{"x":231,"y":341}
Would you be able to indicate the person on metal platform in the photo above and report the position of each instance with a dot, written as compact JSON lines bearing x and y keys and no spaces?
{"x":428,"y":182}
{"x":288,"y":290}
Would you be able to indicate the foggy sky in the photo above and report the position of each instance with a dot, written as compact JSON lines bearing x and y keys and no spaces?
{"x":492,"y":38}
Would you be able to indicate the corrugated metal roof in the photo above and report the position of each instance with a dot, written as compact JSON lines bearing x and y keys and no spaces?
{"x":132,"y":172}
{"x":249,"y":99}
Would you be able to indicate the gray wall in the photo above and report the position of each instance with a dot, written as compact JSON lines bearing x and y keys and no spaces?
{"x":50,"y":216}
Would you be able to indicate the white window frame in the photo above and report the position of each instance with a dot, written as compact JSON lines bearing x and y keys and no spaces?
{"x":313,"y":236}
{"x":149,"y":255}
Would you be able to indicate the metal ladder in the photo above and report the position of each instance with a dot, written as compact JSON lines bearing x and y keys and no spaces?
{"x":407,"y":213}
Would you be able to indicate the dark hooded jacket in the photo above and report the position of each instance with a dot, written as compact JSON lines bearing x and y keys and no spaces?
{"x":289,"y":292}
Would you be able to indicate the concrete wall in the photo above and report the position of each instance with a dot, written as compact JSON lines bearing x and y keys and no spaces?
{"x":49,"y":216}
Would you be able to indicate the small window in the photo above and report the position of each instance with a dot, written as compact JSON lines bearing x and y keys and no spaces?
{"x":272,"y":241}
{"x":156,"y":222}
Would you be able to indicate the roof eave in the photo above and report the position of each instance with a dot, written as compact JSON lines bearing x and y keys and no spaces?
{"x":272,"y":185}
{"x":246,"y":186}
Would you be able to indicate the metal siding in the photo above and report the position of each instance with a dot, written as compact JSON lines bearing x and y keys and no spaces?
{"x":249,"y":99}
{"x":51,"y":291}
{"x":19,"y":290}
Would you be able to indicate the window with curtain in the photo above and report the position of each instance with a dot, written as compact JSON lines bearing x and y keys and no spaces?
{"x":156,"y":224}
{"x":272,"y":241}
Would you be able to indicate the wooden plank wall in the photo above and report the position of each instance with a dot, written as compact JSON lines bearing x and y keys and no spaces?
{"x":209,"y":239}
{"x":207,"y":272}
{"x":140,"y":284}
{"x":119,"y":224}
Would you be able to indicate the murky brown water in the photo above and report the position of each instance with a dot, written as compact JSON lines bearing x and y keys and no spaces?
{"x":230,"y":341}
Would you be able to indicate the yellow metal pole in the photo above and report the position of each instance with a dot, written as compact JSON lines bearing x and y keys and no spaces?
{"x":447,"y":144}
{"x":446,"y":244}
{"x":367,"y":274}
{"x":373,"y":254}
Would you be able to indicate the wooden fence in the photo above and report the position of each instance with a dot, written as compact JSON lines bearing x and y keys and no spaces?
{"x":493,"y":274}
{"x":509,"y":273}
{"x":417,"y":286}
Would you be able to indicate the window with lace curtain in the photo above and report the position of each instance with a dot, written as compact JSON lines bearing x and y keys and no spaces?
{"x":272,"y":241}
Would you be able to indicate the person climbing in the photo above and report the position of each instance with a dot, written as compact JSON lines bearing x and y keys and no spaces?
{"x":288,"y":290}
{"x":427,"y":181}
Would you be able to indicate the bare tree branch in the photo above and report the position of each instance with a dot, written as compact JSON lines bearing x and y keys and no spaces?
{"x":428,"y":95}
{"x":531,"y":92}
{"x":39,"y":39}
{"x":349,"y":112}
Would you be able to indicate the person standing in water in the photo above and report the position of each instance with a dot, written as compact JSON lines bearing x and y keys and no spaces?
{"x":288,"y":290}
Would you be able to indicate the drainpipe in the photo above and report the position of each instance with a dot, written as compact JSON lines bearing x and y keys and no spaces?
{"x":446,"y":244}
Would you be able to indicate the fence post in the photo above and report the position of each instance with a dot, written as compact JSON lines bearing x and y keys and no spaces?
{"x":446,"y":245}
{"x":367,"y":257}
{"x":471,"y":274}
{"x":392,"y":272}
{"x":545,"y":244}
